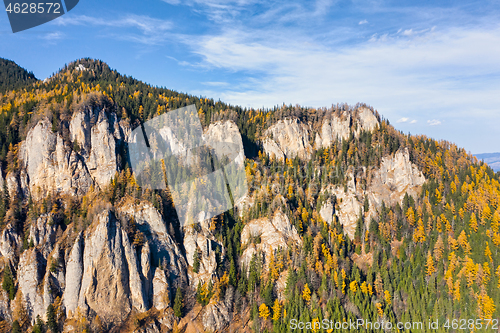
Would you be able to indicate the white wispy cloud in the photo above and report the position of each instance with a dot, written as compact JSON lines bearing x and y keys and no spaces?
{"x":53,"y":36}
{"x":406,"y":120}
{"x":144,"y":23}
{"x":216,"y":84}
{"x":394,"y":72}
{"x":434,"y":122}
{"x":363,"y":22}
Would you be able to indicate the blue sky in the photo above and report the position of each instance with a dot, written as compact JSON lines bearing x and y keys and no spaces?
{"x":430,"y":67}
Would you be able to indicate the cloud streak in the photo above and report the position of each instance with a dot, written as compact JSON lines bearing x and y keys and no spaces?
{"x":146,"y":24}
{"x":434,"y":122}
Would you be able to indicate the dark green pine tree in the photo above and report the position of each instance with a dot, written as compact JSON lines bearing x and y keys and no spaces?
{"x":51,"y":319}
{"x":233,"y":279}
{"x":4,"y":201}
{"x":38,"y":327}
{"x":196,"y":263}
{"x":16,"y":328}
{"x":8,"y":283}
{"x":178,"y":303}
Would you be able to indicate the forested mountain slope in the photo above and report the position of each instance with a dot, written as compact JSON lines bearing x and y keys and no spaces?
{"x":13,"y":76}
{"x":346,"y":218}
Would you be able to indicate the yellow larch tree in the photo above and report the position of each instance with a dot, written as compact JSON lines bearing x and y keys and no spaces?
{"x":456,"y":290}
{"x":387,"y":297}
{"x":486,"y":272}
{"x":353,"y":286}
{"x":473,"y":222}
{"x":276,"y":310}
{"x":379,"y":309}
{"x":315,"y":325}
{"x":462,"y":240}
{"x":343,"y":273}
{"x":419,"y":233}
{"x":495,"y":222}
{"x":486,"y":305}
{"x":264,"y":311}
{"x":485,"y":214}
{"x":430,"y":269}
{"x":487,"y":252}
{"x":453,"y":187}
{"x":364,"y":288}
{"x":453,"y":243}
{"x":439,"y":248}
{"x":470,"y":271}
{"x":306,"y":294}
{"x":410,"y":216}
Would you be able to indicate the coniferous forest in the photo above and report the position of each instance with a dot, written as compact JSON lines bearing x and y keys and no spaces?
{"x":434,"y":255}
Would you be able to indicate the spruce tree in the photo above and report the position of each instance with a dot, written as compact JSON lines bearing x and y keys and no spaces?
{"x":51,"y":319}
{"x":196,"y":263}
{"x":178,"y":306}
{"x":16,"y":328}
{"x":8,"y":283}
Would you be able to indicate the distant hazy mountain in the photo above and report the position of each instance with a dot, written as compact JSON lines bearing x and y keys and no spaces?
{"x":493,"y":160}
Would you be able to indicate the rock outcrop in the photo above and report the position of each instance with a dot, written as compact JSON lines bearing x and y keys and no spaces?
{"x":367,"y":120}
{"x":51,"y":165}
{"x":396,"y":177}
{"x":9,"y":242}
{"x":107,"y":276}
{"x":215,"y":316}
{"x":163,"y":250}
{"x":12,"y":184}
{"x":349,"y":203}
{"x":199,"y":239}
{"x":111,"y":282}
{"x":333,"y":128}
{"x":43,"y":232}
{"x":102,"y":272}
{"x":31,"y":274}
{"x":54,"y":164}
{"x":265,"y":235}
{"x":226,"y":137}
{"x":101,"y":160}
{"x":290,"y":137}
{"x":287,"y":139}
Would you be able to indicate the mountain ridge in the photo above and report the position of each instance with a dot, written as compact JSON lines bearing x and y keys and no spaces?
{"x":13,"y":76}
{"x":345,"y":218}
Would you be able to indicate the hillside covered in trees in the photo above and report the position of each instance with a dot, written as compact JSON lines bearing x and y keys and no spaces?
{"x":13,"y":76}
{"x":346,"y":218}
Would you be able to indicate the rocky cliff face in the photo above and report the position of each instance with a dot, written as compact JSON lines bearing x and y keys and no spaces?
{"x":52,"y":164}
{"x":290,"y":137}
{"x":287,"y":139}
{"x":367,"y":120}
{"x":103,"y":272}
{"x":333,"y":128}
{"x":226,"y":136}
{"x":395,"y":177}
{"x":265,"y":235}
